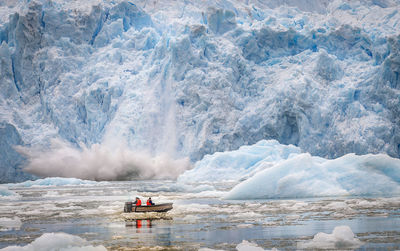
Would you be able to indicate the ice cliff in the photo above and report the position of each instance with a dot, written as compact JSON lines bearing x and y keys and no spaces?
{"x":190,"y":78}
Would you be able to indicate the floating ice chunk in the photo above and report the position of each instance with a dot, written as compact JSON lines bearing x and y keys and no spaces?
{"x":57,"y":241}
{"x":54,"y":181}
{"x":243,"y":246}
{"x":248,"y":246}
{"x":51,"y":194}
{"x":210,"y":249}
{"x":341,"y":238}
{"x":308,"y":176}
{"x":7,"y":224}
{"x":248,"y":215}
{"x":191,"y":218}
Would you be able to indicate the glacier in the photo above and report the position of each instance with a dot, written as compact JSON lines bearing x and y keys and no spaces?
{"x":185,"y":79}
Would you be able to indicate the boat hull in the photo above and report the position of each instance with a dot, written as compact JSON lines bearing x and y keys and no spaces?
{"x":130,"y":208}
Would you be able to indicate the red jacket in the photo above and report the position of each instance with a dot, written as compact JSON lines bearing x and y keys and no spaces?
{"x":138,"y":202}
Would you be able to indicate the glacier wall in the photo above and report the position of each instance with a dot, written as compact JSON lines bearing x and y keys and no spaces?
{"x":188,"y":79}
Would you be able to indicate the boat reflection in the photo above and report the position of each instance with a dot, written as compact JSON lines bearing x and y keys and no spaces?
{"x":139,"y":223}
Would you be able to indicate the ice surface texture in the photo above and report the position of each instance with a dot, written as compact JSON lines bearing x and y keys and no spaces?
{"x":269,"y":170}
{"x":307,"y":176}
{"x":193,"y":78}
{"x":239,"y":164}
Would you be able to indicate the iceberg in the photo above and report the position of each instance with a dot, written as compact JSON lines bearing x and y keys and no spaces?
{"x":309,"y":176}
{"x":269,"y":170}
{"x":239,"y":164}
{"x":188,"y":79}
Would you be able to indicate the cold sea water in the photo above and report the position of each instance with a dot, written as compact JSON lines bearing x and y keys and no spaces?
{"x":200,"y":219}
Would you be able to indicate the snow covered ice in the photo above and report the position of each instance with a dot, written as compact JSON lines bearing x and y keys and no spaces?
{"x":187,"y":79}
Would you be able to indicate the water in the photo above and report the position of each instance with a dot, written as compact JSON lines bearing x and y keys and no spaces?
{"x":198,"y":220}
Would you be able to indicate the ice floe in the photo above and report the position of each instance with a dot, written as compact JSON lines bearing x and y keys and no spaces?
{"x":342,"y":237}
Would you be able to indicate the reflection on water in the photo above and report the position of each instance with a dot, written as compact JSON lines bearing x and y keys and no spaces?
{"x":197,"y":220}
{"x":138,"y":223}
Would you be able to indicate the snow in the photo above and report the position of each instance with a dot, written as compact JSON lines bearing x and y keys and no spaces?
{"x":57,"y":241}
{"x":185,"y":79}
{"x":341,"y":238}
{"x":309,"y":176}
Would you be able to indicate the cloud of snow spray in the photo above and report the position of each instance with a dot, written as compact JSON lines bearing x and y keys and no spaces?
{"x":100,"y":162}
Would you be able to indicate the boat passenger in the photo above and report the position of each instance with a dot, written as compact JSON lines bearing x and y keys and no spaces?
{"x":149,"y":202}
{"x":138,"y":202}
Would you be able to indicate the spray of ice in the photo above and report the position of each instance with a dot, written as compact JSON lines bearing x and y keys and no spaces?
{"x":101,"y":162}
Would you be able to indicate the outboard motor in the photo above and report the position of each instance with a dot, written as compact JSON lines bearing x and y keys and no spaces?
{"x":128,"y":207}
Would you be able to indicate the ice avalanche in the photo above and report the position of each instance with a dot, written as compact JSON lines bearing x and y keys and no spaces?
{"x":174,"y":81}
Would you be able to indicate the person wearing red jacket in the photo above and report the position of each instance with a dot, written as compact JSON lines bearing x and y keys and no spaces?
{"x":138,"y":202}
{"x":149,"y":202}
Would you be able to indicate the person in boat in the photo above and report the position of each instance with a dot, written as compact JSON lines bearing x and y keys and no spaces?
{"x":149,"y":202}
{"x":138,"y":202}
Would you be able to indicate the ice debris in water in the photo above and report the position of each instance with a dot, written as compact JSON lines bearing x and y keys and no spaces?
{"x":243,"y":246}
{"x":54,"y":181}
{"x":341,"y":238}
{"x":7,"y":224}
{"x":57,"y":241}
{"x":248,"y":246}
